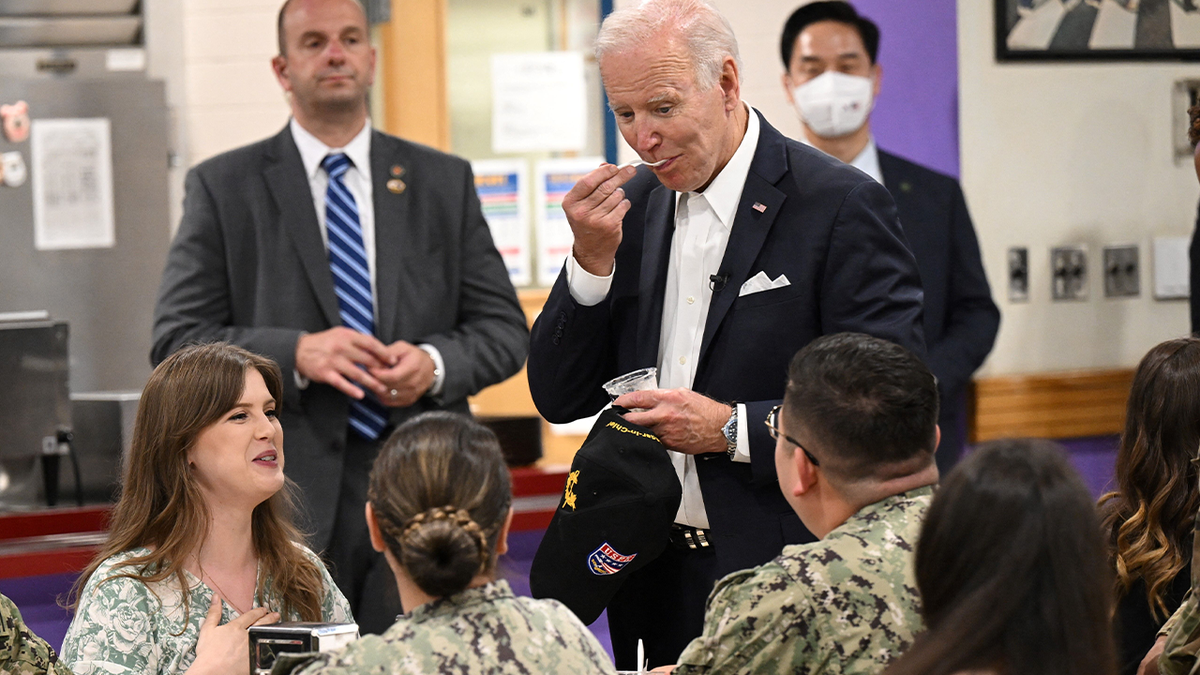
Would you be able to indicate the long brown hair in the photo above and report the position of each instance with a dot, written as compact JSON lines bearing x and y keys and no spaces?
{"x":440,"y":492}
{"x":1010,"y":566}
{"x":1150,"y":516}
{"x":161,"y":506}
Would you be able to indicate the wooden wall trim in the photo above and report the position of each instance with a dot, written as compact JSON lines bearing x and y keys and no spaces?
{"x":1050,"y":405}
{"x":413,"y":68}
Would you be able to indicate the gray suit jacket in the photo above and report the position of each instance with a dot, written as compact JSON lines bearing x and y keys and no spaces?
{"x":248,"y":266}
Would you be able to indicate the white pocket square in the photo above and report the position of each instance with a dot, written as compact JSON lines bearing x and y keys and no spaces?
{"x":761,"y":282}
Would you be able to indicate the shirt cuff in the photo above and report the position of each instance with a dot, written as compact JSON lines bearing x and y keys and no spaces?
{"x":586,"y":288}
{"x":439,"y":370}
{"x":742,"y":454}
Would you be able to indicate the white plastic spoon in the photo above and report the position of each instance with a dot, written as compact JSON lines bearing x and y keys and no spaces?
{"x":639,"y":162}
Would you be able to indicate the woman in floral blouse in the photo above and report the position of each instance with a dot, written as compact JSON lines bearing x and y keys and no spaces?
{"x":201,"y":544}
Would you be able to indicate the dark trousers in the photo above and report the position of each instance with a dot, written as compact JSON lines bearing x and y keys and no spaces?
{"x":362,"y":574}
{"x":663,"y":604}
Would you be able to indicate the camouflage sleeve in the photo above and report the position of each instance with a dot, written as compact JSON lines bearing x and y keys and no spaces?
{"x":1183,"y":639}
{"x":749,"y":616}
{"x":22,"y":652}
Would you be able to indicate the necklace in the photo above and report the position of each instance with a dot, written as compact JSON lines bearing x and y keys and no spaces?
{"x":223,"y":595}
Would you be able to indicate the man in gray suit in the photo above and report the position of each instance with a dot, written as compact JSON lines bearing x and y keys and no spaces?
{"x":361,"y":263}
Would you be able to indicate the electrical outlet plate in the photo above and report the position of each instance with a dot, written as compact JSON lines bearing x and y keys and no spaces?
{"x":1122,"y":272}
{"x":1068,"y":270}
{"x":1018,"y":274}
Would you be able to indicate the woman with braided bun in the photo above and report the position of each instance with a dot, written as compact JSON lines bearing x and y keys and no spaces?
{"x":439,"y":508}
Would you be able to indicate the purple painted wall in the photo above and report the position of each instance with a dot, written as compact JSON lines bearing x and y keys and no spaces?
{"x":917,"y":112}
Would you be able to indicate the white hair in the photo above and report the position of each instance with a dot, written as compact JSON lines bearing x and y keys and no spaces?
{"x":707,"y":35}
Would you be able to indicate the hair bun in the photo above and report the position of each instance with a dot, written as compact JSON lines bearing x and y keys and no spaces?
{"x":443,"y":549}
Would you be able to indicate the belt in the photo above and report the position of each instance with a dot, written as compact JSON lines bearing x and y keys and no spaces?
{"x":683,"y":536}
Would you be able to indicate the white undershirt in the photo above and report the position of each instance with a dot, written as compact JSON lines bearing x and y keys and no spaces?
{"x":702,"y":227}
{"x":358,"y":182}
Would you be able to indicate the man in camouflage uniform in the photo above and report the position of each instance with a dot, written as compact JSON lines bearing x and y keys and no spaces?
{"x":22,"y":652}
{"x":1179,"y":638}
{"x":854,"y":454}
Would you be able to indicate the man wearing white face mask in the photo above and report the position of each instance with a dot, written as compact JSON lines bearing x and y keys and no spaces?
{"x":832,"y":78}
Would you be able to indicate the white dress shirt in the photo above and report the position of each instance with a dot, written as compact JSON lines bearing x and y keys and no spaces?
{"x":702,"y":224}
{"x":867,"y":161}
{"x":358,"y":182}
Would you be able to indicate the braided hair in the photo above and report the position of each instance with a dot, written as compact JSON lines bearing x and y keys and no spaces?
{"x":441,"y":492}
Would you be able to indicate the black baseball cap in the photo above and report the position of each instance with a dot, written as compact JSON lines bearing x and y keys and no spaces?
{"x":615,"y":517}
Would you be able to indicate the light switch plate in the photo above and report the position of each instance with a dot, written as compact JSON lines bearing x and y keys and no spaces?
{"x":1068,"y":270}
{"x":1122,"y":272}
{"x":1018,"y":274}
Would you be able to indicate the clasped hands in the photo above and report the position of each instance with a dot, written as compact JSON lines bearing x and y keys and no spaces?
{"x":398,"y":374}
{"x":683,"y":420}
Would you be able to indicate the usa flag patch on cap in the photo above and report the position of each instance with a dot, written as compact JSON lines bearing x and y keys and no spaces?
{"x":605,"y":560}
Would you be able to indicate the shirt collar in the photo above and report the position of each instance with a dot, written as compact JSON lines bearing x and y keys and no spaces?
{"x":867,"y":161}
{"x":455,"y":604}
{"x":725,"y":190}
{"x":313,"y":151}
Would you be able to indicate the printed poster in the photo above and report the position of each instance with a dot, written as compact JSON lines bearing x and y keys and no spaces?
{"x":539,"y":102}
{"x":503,"y":189}
{"x":554,"y":178}
{"x":71,"y":171}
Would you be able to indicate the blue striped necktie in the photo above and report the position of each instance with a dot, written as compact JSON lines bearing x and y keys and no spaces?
{"x":351,"y":281}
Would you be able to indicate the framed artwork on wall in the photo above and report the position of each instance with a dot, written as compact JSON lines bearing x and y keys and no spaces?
{"x":1113,"y":30}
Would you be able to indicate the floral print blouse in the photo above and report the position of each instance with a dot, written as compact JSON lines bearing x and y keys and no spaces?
{"x":124,"y":626}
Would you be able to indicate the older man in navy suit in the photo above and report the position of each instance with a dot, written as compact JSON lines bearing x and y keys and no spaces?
{"x":715,"y":265}
{"x":829,"y":53}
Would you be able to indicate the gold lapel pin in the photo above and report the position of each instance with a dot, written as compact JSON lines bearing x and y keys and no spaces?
{"x":396,"y":186}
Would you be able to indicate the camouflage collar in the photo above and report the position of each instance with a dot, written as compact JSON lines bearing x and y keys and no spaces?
{"x":884,"y":509}
{"x":460,"y":602}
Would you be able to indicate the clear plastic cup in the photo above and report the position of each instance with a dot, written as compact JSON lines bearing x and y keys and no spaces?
{"x":638,"y":380}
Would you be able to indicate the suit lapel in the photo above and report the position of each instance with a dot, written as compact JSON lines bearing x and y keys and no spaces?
{"x":656,"y":252}
{"x":391,"y":225}
{"x":750,"y":227}
{"x":298,"y":219}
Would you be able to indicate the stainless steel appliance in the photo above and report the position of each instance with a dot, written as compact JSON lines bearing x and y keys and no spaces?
{"x":82,"y":59}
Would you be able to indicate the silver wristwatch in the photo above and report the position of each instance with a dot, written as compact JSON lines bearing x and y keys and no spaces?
{"x":730,"y":432}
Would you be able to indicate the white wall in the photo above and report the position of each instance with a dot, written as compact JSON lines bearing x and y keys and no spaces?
{"x":1068,"y":153}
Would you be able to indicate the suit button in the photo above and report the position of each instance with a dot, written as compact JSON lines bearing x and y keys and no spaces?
{"x":556,"y":340}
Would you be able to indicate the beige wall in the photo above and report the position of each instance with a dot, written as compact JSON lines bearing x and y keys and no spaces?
{"x":232,"y":97}
{"x":1070,"y":154}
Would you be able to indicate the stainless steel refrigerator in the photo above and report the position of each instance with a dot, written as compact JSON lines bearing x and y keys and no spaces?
{"x":66,"y":66}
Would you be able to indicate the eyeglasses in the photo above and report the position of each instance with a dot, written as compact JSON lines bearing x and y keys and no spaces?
{"x":772,"y":423}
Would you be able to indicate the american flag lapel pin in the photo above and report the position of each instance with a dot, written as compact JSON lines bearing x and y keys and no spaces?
{"x":760,"y":207}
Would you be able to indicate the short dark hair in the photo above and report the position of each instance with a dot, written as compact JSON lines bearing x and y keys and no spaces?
{"x":870,"y":405}
{"x":828,"y":10}
{"x":283,"y":12}
{"x":1011,"y":569}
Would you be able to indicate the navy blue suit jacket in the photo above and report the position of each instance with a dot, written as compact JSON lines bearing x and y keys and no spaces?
{"x":961,"y":320}
{"x":835,"y":234}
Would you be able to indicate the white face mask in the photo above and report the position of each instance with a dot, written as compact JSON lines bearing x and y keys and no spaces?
{"x":834,"y":104}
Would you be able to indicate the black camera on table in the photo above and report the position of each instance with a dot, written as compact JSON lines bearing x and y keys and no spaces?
{"x":295,"y":637}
